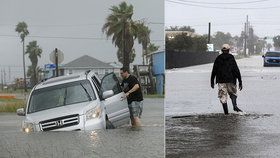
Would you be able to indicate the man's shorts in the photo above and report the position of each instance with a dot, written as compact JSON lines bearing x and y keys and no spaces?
{"x":226,"y":89}
{"x":135,"y":109}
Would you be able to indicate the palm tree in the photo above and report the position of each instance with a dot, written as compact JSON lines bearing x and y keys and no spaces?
{"x":143,"y":35}
{"x":30,"y":72}
{"x":132,"y":55}
{"x":150,"y":49}
{"x":122,"y":28}
{"x":21,"y":28}
{"x":34,"y":51}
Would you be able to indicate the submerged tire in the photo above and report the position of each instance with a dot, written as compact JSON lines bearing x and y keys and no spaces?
{"x":109,"y":124}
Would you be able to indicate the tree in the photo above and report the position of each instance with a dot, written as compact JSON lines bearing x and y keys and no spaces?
{"x":30,"y":72}
{"x":252,"y":42}
{"x":120,"y":55}
{"x":260,"y":45}
{"x":221,"y":38}
{"x":123,"y":29}
{"x":268,"y":46}
{"x":182,"y":28}
{"x":152,"y":48}
{"x":276,"y":42}
{"x":21,"y":29}
{"x":34,"y":51}
{"x":143,"y":35}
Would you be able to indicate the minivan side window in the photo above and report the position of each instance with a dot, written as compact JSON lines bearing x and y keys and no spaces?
{"x":111,"y":82}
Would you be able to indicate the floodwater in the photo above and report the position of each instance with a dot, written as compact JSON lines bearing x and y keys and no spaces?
{"x":197,"y":127}
{"x":148,"y":141}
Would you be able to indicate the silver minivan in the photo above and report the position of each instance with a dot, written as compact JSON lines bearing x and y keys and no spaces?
{"x":75,"y":102}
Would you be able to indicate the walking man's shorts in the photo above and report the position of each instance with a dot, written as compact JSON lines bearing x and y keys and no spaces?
{"x":135,"y":109}
{"x":226,"y":89}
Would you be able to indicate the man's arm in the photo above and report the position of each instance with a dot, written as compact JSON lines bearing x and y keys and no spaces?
{"x":135,"y":87}
{"x":237,"y":74}
{"x":214,"y":73}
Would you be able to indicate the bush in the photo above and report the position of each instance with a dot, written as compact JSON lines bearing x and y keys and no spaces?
{"x":184,"y":42}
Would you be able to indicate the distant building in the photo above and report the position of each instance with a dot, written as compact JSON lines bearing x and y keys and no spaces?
{"x":117,"y":67}
{"x":89,"y":63}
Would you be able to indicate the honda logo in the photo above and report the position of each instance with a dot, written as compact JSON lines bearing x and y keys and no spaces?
{"x":59,"y":123}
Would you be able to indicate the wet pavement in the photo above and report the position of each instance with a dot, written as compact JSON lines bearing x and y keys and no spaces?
{"x":123,"y":142}
{"x":196,"y":126}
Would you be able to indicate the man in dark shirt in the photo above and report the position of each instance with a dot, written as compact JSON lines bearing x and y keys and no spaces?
{"x":226,"y":71}
{"x":133,"y":93}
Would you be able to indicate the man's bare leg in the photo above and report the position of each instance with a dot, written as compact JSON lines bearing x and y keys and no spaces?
{"x":135,"y":122}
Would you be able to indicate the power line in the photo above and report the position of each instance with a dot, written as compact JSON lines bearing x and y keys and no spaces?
{"x":65,"y":37}
{"x":217,"y":25}
{"x":223,"y":3}
{"x":73,"y":25}
{"x":214,"y":7}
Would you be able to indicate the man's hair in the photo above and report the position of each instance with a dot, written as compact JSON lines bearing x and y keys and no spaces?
{"x":124,"y":69}
{"x":225,"y":50}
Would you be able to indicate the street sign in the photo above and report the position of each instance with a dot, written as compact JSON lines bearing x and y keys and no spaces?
{"x":210,"y":47}
{"x":56,"y":57}
{"x":50,"y":66}
{"x":60,"y":56}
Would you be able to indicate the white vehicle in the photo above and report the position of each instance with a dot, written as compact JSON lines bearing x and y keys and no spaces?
{"x":75,"y":102}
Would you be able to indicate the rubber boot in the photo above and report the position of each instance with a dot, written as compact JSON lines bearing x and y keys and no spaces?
{"x":233,"y":99}
{"x":225,"y":108}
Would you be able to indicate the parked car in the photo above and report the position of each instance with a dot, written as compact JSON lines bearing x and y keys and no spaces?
{"x":271,"y":59}
{"x":75,"y":102}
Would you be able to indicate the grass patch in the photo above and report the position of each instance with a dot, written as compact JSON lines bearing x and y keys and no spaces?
{"x":11,"y":105}
{"x":153,"y":96}
{"x":9,"y":100}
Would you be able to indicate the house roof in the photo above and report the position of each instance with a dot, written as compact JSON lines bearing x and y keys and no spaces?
{"x":87,"y":62}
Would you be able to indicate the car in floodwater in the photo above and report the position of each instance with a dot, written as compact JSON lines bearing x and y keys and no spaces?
{"x":75,"y":102}
{"x":271,"y":58}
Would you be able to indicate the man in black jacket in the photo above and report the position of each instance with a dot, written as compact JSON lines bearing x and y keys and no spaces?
{"x":226,"y":71}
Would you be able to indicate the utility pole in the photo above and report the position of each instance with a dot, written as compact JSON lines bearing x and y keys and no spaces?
{"x":245,"y":35}
{"x":5,"y":83}
{"x":10,"y":74}
{"x":56,"y":62}
{"x":2,"y":87}
{"x":209,"y":33}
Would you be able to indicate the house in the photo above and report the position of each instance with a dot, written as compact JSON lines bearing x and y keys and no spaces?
{"x":89,"y":63}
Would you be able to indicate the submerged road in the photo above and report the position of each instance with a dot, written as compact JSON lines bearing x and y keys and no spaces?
{"x":119,"y":143}
{"x":196,"y":126}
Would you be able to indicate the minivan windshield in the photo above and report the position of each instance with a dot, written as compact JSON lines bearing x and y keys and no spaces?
{"x":61,"y":95}
{"x":272,"y":54}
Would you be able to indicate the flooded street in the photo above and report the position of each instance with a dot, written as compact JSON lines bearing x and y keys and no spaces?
{"x":122,"y":142}
{"x":196,"y":126}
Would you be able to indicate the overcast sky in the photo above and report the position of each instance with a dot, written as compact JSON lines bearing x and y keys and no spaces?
{"x":69,"y":18}
{"x":226,"y":16}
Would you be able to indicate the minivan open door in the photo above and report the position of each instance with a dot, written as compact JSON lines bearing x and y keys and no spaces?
{"x":116,"y":105}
